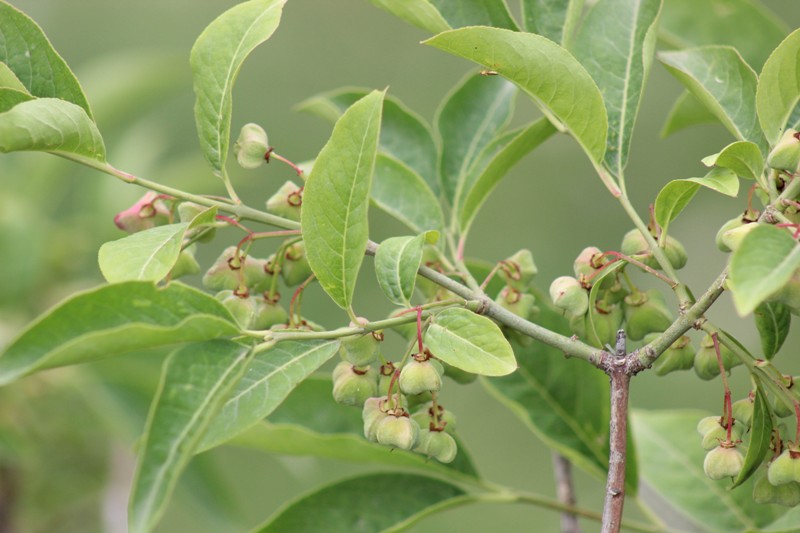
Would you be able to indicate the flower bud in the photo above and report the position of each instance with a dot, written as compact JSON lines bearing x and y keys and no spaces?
{"x":295,"y":269}
{"x":362,"y":350}
{"x":518,"y":270}
{"x":148,"y":212}
{"x":286,"y":202}
{"x":356,"y":386}
{"x":437,"y":444}
{"x":230,"y":271}
{"x":397,"y":432}
{"x":646,"y":312}
{"x":786,"y":153}
{"x":419,"y":376}
{"x":722,"y":462}
{"x":567,"y":293}
{"x":251,"y":147}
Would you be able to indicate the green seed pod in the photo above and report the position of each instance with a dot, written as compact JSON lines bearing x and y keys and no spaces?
{"x":679,"y":356}
{"x":635,"y":245}
{"x":437,"y":444}
{"x":424,"y":417}
{"x":719,"y":434}
{"x":228,"y":272}
{"x":588,"y":261}
{"x":266,"y":276}
{"x":269,"y":314}
{"x":251,"y":146}
{"x":646,"y":312}
{"x":244,"y":308}
{"x":519,"y":303}
{"x":363,"y":350}
{"x":616,"y":292}
{"x":722,"y":462}
{"x":567,"y":293}
{"x":745,"y":218}
{"x":518,"y":270}
{"x":708,"y":424}
{"x":743,"y":411}
{"x":415,"y":400}
{"x":373,"y":412}
{"x":186,"y":265}
{"x":607,"y":321}
{"x":286,"y":202}
{"x":417,"y":377}
{"x":785,"y":468}
{"x":385,"y":374}
{"x":459,"y":376}
{"x":786,"y":154}
{"x":356,"y":386}
{"x":765,"y":492}
{"x":781,"y":407}
{"x":705,"y":360}
{"x":732,"y":238}
{"x":397,"y":432}
{"x":148,"y":212}
{"x":295,"y":268}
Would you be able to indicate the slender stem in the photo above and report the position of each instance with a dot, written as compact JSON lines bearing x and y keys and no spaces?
{"x":727,"y":408}
{"x":229,"y":187}
{"x":565,"y":490}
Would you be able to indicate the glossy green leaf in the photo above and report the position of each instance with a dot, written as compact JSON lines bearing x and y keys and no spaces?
{"x":195,"y":382}
{"x":9,"y":80}
{"x":402,"y":193}
{"x":11,"y":97}
{"x":760,"y":438}
{"x":687,"y":111}
{"x":671,"y":463}
{"x":459,"y":13}
{"x":396,"y":263}
{"x":336,"y":199}
{"x":779,"y":87}
{"x":747,"y":25}
{"x":554,"y":19}
{"x":271,"y":376}
{"x":113,"y":320}
{"x":29,"y":55}
{"x":615,"y":43}
{"x":677,"y":194}
{"x":147,"y":255}
{"x":772,"y":322}
{"x":471,"y":117}
{"x":550,"y":75}
{"x":470,"y":342}
{"x":365,"y":504}
{"x":742,"y":157}
{"x":494,"y":162}
{"x":216,"y":58}
{"x":51,"y":125}
{"x":720,"y":79}
{"x":565,"y":402}
{"x":405,"y":136}
{"x":761,"y":265}
{"x":420,"y":13}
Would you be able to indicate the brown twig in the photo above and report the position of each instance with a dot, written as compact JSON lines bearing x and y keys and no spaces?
{"x":565,"y":490}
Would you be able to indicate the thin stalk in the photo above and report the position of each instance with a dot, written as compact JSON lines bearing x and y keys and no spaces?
{"x":565,"y":490}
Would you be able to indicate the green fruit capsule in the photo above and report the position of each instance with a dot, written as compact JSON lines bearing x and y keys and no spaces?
{"x":646,"y":312}
{"x":706,"y":364}
{"x":588,"y":261}
{"x":362,"y":350}
{"x":148,"y":212}
{"x":437,"y":444}
{"x":607,"y":320}
{"x":786,"y":153}
{"x":230,"y":271}
{"x":765,"y":492}
{"x":286,"y":202}
{"x":186,"y":265}
{"x":269,"y":314}
{"x":374,"y":410}
{"x":518,"y":270}
{"x":459,"y":376}
{"x":251,"y":146}
{"x":244,"y":308}
{"x":744,"y":219}
{"x":295,"y":268}
{"x":356,"y":386}
{"x":519,"y":303}
{"x":635,"y":245}
{"x":743,"y":411}
{"x":719,"y":434}
{"x":679,"y":356}
{"x":445,"y":420}
{"x":785,"y":468}
{"x":417,"y":377}
{"x":723,"y":462}
{"x":732,"y":238}
{"x":567,"y":293}
{"x":397,"y":431}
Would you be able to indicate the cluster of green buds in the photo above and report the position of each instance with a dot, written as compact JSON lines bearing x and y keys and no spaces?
{"x":518,"y":271}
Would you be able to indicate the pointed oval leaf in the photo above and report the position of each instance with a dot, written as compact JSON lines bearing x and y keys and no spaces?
{"x":216,"y":58}
{"x":373,"y":502}
{"x":405,"y":136}
{"x":396,"y":263}
{"x":470,"y":342}
{"x":51,"y":125}
{"x":554,"y":19}
{"x":494,"y":162}
{"x":420,"y":13}
{"x":11,"y":97}
{"x":760,"y":438}
{"x":403,"y":194}
{"x":779,"y":87}
{"x":148,"y":255}
{"x":336,"y":199}
{"x":113,"y":320}
{"x":271,"y":376}
{"x":615,"y":43}
{"x":687,"y":111}
{"x":550,"y":75}
{"x":27,"y":52}
{"x":194,"y":384}
{"x":719,"y":78}
{"x":677,"y":194}
{"x":742,"y":157}
{"x":772,"y":322}
{"x":761,"y":265}
{"x":470,"y":118}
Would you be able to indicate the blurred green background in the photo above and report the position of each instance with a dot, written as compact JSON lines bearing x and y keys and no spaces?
{"x":68,"y":436}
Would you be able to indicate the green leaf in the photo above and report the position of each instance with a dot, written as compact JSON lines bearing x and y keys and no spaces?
{"x":113,"y":320}
{"x":396,"y":263}
{"x":687,"y":111}
{"x":9,"y":80}
{"x":405,"y":136}
{"x":615,"y":43}
{"x":594,"y":293}
{"x":336,"y":199}
{"x":271,"y":376}
{"x":550,"y":75}
{"x":779,"y":87}
{"x":719,"y":78}
{"x":671,"y":463}
{"x":494,"y":162}
{"x":216,"y":58}
{"x":470,"y":342}
{"x":772,"y":321}
{"x":677,"y":194}
{"x":402,"y":193}
{"x":746,"y":25}
{"x":11,"y":97}
{"x":760,"y":438}
{"x":29,"y":55}
{"x":147,"y":255}
{"x":373,"y":502}
{"x":742,"y":157}
{"x":761,"y":265}
{"x":420,"y":13}
{"x":195,"y":382}
{"x":471,"y":117}
{"x":460,"y":13}
{"x":554,"y":19}
{"x":51,"y":125}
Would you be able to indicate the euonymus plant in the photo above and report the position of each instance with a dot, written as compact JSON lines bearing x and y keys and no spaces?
{"x":250,"y":366}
